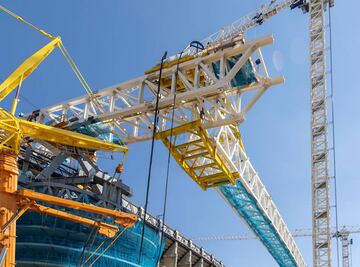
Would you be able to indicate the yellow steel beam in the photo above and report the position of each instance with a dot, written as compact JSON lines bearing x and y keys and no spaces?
{"x":14,"y":129}
{"x":105,"y":229}
{"x":191,"y":143}
{"x":188,"y":127}
{"x":220,"y":176}
{"x":26,"y":68}
{"x":65,"y":137}
{"x":203,"y":154}
{"x":200,"y":167}
{"x":237,"y":134}
{"x":169,"y":64}
{"x":205,"y":148}
{"x":212,"y":151}
{"x":183,"y":164}
{"x":192,"y":151}
{"x":122,"y":218}
{"x":10,"y":137}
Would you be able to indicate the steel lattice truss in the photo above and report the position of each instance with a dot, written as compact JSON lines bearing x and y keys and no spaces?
{"x":206,"y":90}
{"x":345,"y":244}
{"x":319,"y":138}
{"x":129,"y":107}
{"x":215,"y":157}
{"x":242,"y":25}
{"x":250,"y":199}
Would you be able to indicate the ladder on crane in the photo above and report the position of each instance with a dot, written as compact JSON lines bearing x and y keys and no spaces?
{"x":130,"y":106}
{"x":209,"y":105}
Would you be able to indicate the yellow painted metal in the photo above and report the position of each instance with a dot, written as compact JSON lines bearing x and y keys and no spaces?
{"x":197,"y":156}
{"x":169,"y":64}
{"x":26,"y":68}
{"x":175,"y":61}
{"x":65,"y":137}
{"x":63,"y":51}
{"x":122,"y":218}
{"x":105,"y":229}
{"x":13,"y":129}
{"x":10,"y":134}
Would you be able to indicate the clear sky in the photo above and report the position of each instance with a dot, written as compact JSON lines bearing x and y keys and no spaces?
{"x":114,"y":40}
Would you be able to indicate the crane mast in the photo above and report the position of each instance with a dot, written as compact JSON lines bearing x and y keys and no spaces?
{"x":343,"y":234}
{"x":319,"y":122}
{"x":215,"y":90}
{"x":320,"y":181}
{"x":206,"y":88}
{"x":345,"y":244}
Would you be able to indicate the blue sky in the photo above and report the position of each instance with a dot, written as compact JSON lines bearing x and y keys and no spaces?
{"x":113,"y":41}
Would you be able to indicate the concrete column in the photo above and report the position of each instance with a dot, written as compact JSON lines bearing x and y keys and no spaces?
{"x":170,"y":257}
{"x":186,"y":260}
{"x":200,"y":263}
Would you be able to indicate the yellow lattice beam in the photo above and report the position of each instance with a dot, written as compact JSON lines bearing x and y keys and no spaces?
{"x":16,"y":128}
{"x":198,"y":156}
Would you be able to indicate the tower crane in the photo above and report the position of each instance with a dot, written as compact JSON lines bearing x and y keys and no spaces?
{"x":14,"y":132}
{"x":343,"y":234}
{"x":209,"y":105}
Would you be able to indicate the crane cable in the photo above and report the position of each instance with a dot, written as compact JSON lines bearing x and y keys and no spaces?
{"x":26,"y":22}
{"x":333,"y":137}
{"x":65,"y":53}
{"x":151,"y":155}
{"x":169,"y":156}
{"x":87,"y":246}
{"x":103,"y":252}
{"x":111,"y":243}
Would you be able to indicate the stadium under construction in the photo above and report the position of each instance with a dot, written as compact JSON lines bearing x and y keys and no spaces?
{"x":60,"y":208}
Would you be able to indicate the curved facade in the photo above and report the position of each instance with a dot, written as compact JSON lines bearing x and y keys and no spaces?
{"x":49,"y":241}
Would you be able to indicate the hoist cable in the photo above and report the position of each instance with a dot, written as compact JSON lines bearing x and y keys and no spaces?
{"x":79,"y":75}
{"x":92,"y":236}
{"x":169,"y":157}
{"x":27,"y":23}
{"x":111,"y":243}
{"x":93,"y":253}
{"x":151,"y":155}
{"x":333,"y":136}
{"x":65,"y":53}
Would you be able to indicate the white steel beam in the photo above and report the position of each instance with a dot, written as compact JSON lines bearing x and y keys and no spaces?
{"x":319,"y":138}
{"x":268,"y":224}
{"x":207,"y":85}
{"x":129,"y":106}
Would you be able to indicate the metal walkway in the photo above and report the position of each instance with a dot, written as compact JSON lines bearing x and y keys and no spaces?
{"x":245,"y":206}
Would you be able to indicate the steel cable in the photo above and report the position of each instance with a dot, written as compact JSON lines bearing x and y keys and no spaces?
{"x":169,"y":157}
{"x":151,"y":155}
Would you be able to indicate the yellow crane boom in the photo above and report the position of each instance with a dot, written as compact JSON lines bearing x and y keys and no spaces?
{"x":14,"y":202}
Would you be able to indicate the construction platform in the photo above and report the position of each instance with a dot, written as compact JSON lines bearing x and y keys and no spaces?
{"x":50,"y":241}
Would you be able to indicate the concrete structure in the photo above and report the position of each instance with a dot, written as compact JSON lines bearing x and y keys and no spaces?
{"x":55,"y":175}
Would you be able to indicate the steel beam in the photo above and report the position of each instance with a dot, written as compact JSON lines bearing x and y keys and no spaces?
{"x":129,"y":107}
{"x":319,"y":138}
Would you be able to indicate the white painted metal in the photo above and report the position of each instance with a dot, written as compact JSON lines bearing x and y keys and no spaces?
{"x":234,"y":156}
{"x":132,"y":118}
{"x":319,"y":138}
{"x":295,"y":233}
{"x":130,"y":106}
{"x":239,"y":27}
{"x":345,"y":243}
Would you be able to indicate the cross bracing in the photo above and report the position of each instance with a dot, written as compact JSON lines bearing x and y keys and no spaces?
{"x":215,"y":87}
